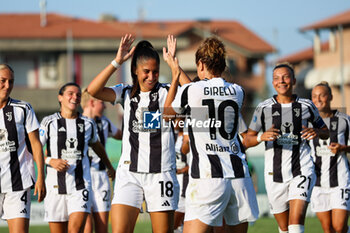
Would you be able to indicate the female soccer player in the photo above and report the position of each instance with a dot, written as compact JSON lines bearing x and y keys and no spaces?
{"x":220,"y":186}
{"x":101,"y":191}
{"x":67,"y":136}
{"x":289,"y":170}
{"x":17,"y":124}
{"x":146,"y":168}
{"x":330,"y":197}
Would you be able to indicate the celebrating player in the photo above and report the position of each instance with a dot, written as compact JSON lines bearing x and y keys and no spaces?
{"x":220,"y":186}
{"x":330,"y":197}
{"x":68,"y":135}
{"x":289,"y":170}
{"x":101,"y":191}
{"x":146,"y":168}
{"x":17,"y":124}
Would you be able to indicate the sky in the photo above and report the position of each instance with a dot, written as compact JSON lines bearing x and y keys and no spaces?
{"x":276,"y":21}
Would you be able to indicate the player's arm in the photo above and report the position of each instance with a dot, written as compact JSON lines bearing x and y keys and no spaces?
{"x":97,"y":86}
{"x":253,"y":138}
{"x":101,"y":152}
{"x":38,"y":157}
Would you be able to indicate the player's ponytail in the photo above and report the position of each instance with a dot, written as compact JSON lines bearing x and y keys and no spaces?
{"x":143,"y":51}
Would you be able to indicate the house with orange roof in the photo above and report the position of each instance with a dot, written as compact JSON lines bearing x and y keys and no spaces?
{"x":328,"y":60}
{"x":47,"y":51}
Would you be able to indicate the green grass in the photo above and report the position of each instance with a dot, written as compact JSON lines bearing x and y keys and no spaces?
{"x":263,"y":225}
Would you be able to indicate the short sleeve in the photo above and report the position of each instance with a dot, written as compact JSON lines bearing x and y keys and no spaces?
{"x":94,"y":137}
{"x":32,"y":122}
{"x":255,"y":123}
{"x":180,"y":102}
{"x":242,"y":127}
{"x":43,"y":131}
{"x":119,"y":91}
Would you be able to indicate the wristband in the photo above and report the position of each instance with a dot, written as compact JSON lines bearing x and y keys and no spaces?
{"x":47,"y":160}
{"x":115,"y":64}
{"x":258,"y":138}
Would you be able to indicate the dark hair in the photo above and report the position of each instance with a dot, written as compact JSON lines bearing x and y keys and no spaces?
{"x":143,"y":51}
{"x":326,"y":85}
{"x":8,"y":67}
{"x":212,"y":53}
{"x":63,"y":88}
{"x":286,"y":65}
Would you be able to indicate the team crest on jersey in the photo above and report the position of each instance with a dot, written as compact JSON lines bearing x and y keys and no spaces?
{"x":287,"y":137}
{"x":81,"y":127}
{"x":333,"y":125}
{"x":234,"y":148}
{"x":9,"y":116}
{"x":322,"y":149}
{"x":154,"y":96}
{"x":5,"y":144}
{"x":71,"y":151}
{"x":296,"y":112}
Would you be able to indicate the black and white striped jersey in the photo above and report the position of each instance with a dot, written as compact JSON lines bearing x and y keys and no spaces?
{"x":105,"y":129}
{"x":213,"y":108}
{"x":17,"y":119}
{"x":145,"y":149}
{"x":68,"y":139}
{"x":332,"y":170}
{"x":289,"y":155}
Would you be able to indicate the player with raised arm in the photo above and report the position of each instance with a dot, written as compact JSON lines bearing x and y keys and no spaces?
{"x":19,"y":145}
{"x":289,"y":171}
{"x":220,"y":186}
{"x":68,"y":136}
{"x":146,"y":169}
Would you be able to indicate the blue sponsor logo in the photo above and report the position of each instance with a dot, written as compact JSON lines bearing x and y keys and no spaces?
{"x":41,"y":132}
{"x":255,"y":118}
{"x":152,"y":120}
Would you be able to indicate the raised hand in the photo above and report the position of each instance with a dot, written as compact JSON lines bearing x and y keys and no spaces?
{"x":123,"y":53}
{"x":171,"y":44}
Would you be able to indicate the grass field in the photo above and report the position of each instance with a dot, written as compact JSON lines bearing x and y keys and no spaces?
{"x":263,"y":225}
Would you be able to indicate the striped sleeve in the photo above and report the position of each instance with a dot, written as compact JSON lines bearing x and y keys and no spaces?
{"x":180,"y":102}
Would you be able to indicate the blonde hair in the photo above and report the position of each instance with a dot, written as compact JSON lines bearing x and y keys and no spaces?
{"x":326,"y":85}
{"x":6,"y":66}
{"x":85,"y":97}
{"x":212,"y":53}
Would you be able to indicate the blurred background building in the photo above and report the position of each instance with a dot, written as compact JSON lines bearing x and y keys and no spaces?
{"x":328,"y":59}
{"x":48,"y":50}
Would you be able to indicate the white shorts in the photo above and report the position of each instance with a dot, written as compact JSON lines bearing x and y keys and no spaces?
{"x":58,"y":207}
{"x":159,"y":190}
{"x":326,"y":199}
{"x":101,"y":191}
{"x":15,"y":204}
{"x":181,"y":207}
{"x":209,"y":200}
{"x":279,"y":194}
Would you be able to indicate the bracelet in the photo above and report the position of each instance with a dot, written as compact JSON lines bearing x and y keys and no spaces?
{"x":47,"y":160}
{"x":115,"y":64}
{"x":258,"y":138}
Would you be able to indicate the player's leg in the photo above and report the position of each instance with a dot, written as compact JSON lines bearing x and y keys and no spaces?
{"x":123,"y":218}
{"x":76,"y":222}
{"x":162,"y":221}
{"x":101,"y":222}
{"x":18,"y":225}
{"x":326,"y":221}
{"x":58,"y":227}
{"x":88,"y":224}
{"x":340,"y":220}
{"x":196,"y":226}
